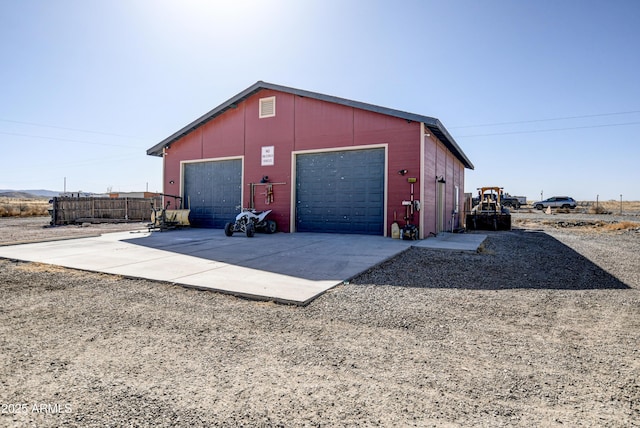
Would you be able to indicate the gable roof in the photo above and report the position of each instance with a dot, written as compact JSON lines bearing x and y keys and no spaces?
{"x":434,"y":125}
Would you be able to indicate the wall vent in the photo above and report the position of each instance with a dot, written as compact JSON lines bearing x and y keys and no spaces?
{"x":267,"y":107}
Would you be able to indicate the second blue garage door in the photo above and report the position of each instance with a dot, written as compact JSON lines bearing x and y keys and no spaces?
{"x":341,"y":192}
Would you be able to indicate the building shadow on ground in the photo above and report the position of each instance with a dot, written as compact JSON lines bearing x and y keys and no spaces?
{"x":518,"y":259}
{"x":310,"y":256}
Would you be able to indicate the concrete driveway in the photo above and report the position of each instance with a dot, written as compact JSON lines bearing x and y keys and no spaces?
{"x":288,"y":268}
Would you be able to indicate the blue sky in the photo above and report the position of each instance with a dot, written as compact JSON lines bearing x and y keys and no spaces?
{"x":543,"y":96}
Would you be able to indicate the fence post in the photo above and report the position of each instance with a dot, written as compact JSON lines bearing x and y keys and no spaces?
{"x":54,"y":203}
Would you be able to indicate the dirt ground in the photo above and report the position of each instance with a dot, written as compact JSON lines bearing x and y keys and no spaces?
{"x":541,"y":327}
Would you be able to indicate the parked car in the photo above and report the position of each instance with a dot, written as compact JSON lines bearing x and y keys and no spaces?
{"x":510,"y":201}
{"x":556,"y":202}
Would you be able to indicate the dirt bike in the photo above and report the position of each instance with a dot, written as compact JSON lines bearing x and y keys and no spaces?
{"x":248,"y":221}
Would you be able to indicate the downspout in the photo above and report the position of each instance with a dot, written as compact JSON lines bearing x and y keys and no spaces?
{"x":164,"y":172}
{"x":421,"y":190}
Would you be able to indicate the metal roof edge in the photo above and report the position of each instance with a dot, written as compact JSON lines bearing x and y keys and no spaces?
{"x":431,"y":122}
{"x":156,"y":150}
{"x":451,"y":144}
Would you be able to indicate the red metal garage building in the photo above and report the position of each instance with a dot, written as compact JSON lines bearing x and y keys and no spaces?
{"x":333,"y":165}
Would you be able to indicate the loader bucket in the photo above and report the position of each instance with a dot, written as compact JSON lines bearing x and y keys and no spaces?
{"x":490,"y":221}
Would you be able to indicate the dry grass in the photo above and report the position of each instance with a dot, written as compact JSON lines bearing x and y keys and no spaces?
{"x":593,"y":207}
{"x":24,"y":207}
{"x":623,"y":225}
{"x":41,"y":267}
{"x":588,"y":225}
{"x":613,"y":207}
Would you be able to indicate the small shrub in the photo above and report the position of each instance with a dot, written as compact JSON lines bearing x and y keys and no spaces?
{"x":482,"y":249}
{"x":598,"y":209}
{"x":8,"y":210}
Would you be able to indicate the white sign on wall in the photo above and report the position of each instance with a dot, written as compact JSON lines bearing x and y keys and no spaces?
{"x":268,"y":156}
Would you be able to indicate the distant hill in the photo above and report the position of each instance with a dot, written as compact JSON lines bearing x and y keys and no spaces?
{"x":42,"y":192}
{"x":35,"y":193}
{"x":20,"y":195}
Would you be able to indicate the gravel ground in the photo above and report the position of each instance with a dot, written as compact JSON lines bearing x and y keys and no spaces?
{"x":30,"y":229}
{"x":540,"y":327}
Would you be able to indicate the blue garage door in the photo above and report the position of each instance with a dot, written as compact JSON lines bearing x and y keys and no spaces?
{"x":340,"y":192}
{"x":213,"y":192}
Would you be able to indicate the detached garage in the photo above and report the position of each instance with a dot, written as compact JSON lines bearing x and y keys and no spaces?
{"x":321,"y":163}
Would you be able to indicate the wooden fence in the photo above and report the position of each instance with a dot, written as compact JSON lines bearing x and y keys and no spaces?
{"x":68,"y":210}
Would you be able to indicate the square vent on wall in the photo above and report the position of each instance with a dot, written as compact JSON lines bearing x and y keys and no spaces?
{"x":267,"y":107}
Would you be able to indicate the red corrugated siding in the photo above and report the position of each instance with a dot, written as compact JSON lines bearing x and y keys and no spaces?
{"x":274,"y":131}
{"x":189,"y":147}
{"x":224,"y":136}
{"x":320,"y":124}
{"x":429,"y":202}
{"x":438,"y":161}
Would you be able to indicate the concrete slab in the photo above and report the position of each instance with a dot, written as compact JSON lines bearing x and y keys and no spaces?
{"x":453,"y":241}
{"x":290,"y":268}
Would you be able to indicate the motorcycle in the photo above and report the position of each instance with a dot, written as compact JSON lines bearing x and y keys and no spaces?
{"x":250,"y":221}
